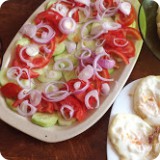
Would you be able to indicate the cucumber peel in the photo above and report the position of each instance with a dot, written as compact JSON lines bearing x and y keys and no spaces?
{"x":44,"y":119}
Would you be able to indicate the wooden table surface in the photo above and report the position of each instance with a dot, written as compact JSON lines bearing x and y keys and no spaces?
{"x":90,"y":145}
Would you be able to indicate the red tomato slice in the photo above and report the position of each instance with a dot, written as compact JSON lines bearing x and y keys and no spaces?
{"x":10,"y":90}
{"x":80,"y":110}
{"x":132,"y":33}
{"x":45,"y":107}
{"x":124,"y":19}
{"x":118,"y":53}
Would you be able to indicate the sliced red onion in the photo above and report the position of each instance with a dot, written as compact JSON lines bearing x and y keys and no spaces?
{"x":107,"y":63}
{"x":52,"y":92}
{"x":26,"y":109}
{"x":72,"y":11}
{"x":24,"y":70}
{"x":125,"y":8}
{"x":94,"y":94}
{"x":71,"y":111}
{"x":111,"y":11}
{"x":96,"y":67}
{"x":86,"y":54}
{"x":67,"y":25}
{"x":23,"y":59}
{"x":115,"y":41}
{"x":56,"y":96}
{"x":105,"y":89}
{"x":63,"y":65}
{"x":86,"y":73}
{"x":70,"y":46}
{"x":77,"y":86}
{"x":29,"y":29}
{"x":111,"y":26}
{"x":87,"y":11}
{"x":91,"y":37}
{"x":48,"y":35}
{"x":61,"y":9}
{"x":35,"y":97}
{"x":15,"y":73}
{"x":24,"y":93}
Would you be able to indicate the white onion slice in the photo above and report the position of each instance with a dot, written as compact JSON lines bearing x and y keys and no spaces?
{"x":86,"y":73}
{"x":125,"y":8}
{"x":23,"y":59}
{"x":29,"y":29}
{"x":78,"y":89}
{"x":111,"y":26}
{"x":67,"y":25}
{"x":71,"y":111}
{"x":32,"y":50}
{"x":94,"y":94}
{"x":26,"y":109}
{"x":23,"y":93}
{"x":105,"y":89}
{"x":63,"y":65}
{"x":35,"y":97}
{"x":70,"y":46}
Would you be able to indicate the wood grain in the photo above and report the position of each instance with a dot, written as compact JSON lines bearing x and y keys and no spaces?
{"x":90,"y":145}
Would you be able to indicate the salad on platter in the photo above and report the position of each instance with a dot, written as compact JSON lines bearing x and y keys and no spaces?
{"x":62,"y":64}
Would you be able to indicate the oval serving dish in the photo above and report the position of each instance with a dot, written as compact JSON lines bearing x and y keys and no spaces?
{"x":61,"y":133}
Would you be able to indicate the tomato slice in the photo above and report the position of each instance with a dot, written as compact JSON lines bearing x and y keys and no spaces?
{"x":80,"y":110}
{"x":126,"y":20}
{"x":10,"y":90}
{"x":45,"y":107}
{"x":48,"y":16}
{"x":132,"y":33}
{"x":118,"y":53}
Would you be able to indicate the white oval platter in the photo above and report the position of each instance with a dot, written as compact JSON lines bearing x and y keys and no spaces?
{"x":58,"y":133}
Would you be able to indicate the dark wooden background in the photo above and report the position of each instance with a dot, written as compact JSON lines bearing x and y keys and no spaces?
{"x":90,"y":145}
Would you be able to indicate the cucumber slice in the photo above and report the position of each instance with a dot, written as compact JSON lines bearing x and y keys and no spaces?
{"x":60,"y":48}
{"x":69,"y":75}
{"x":50,"y":3}
{"x":44,"y":119}
{"x":3,"y":77}
{"x":10,"y":103}
{"x":76,"y":36}
{"x":66,"y":55}
{"x":64,"y":122}
{"x":23,"y":41}
{"x":49,"y":75}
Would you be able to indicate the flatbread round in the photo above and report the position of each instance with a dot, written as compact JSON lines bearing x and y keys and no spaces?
{"x":129,"y":135}
{"x":147,"y":99}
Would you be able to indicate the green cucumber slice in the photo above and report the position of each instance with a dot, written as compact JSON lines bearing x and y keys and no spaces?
{"x":64,"y":122}
{"x":60,"y":48}
{"x":44,"y":119}
{"x":9,"y":103}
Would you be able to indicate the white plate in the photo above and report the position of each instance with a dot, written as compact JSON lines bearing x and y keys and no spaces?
{"x":123,"y":104}
{"x":58,"y":133}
